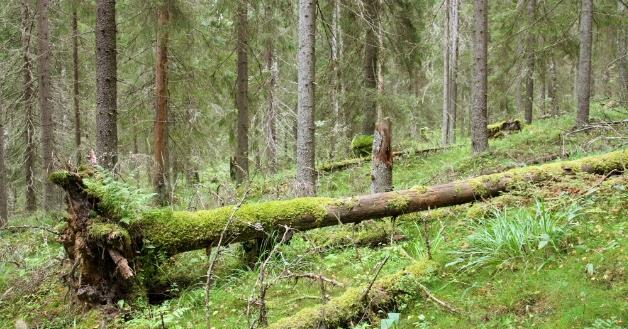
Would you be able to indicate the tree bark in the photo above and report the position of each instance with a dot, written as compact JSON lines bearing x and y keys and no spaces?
{"x":528,"y":100}
{"x":479,"y":138}
{"x":552,"y":90}
{"x":75,"y":81}
{"x":160,"y":175}
{"x":242,"y":147}
{"x":337,"y":88}
{"x":584,"y":62}
{"x":45,"y":100}
{"x":371,"y":53}
{"x":4,"y":213}
{"x":381,"y":174}
{"x":622,"y":50}
{"x":306,"y":171}
{"x":106,"y":84}
{"x":450,"y":72}
{"x":30,"y":156}
{"x":271,"y":116}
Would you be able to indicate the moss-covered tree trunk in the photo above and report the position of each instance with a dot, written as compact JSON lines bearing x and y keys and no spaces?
{"x":109,"y":251}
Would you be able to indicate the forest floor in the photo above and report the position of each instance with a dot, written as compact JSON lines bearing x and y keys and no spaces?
{"x":548,"y":255}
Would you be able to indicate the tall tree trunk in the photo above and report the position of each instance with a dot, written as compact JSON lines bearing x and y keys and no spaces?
{"x":450,"y":67}
{"x":479,"y":136}
{"x":45,"y":101}
{"x":75,"y":81}
{"x":271,"y":115}
{"x":336,"y":91}
{"x":305,"y":184}
{"x":622,"y":50}
{"x":242,"y":147}
{"x":4,"y":213}
{"x":528,"y":99}
{"x":160,"y":175}
{"x":584,"y":62}
{"x":106,"y":84}
{"x":30,"y":156}
{"x":371,"y":53}
{"x":543,"y":86}
{"x":381,"y":174}
{"x":552,"y":90}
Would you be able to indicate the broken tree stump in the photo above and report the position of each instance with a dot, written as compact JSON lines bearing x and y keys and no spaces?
{"x":382,"y":170}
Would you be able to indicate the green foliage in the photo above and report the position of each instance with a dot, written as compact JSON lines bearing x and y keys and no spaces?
{"x":362,"y":145}
{"x":119,"y":201}
{"x":516,"y":235}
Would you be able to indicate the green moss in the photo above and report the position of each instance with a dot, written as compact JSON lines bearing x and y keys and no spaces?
{"x":175,"y":231}
{"x":60,"y":177}
{"x":479,"y":186}
{"x":349,"y":306}
{"x":362,"y":144}
{"x":110,"y":234}
{"x":348,"y":203}
{"x":398,"y":203}
{"x":420,"y":188}
{"x":331,"y":166}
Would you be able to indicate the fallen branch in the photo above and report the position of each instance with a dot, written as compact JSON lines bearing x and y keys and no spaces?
{"x":342,"y":311}
{"x":340,"y":165}
{"x":312,"y":276}
{"x":431,"y":296}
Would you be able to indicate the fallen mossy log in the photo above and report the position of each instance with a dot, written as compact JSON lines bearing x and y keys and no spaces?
{"x":340,"y":165}
{"x":366,"y":234}
{"x":500,"y":129}
{"x":360,"y":303}
{"x":109,"y":249}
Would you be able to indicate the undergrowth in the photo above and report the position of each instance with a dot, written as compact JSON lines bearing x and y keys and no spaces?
{"x":548,"y":256}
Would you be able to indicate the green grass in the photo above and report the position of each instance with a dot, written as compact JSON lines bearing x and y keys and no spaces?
{"x":575,"y":280}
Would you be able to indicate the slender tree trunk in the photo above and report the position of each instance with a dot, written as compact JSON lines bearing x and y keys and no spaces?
{"x":552,"y":90}
{"x":543,"y":86}
{"x":30,"y":156}
{"x":45,"y":101}
{"x":242,"y":147}
{"x":4,"y":213}
{"x":106,"y":84}
{"x":622,"y":50}
{"x":584,"y":62}
{"x":371,"y":53}
{"x":75,"y":81}
{"x":336,"y":91}
{"x":381,"y":174}
{"x":305,"y":184}
{"x":479,"y":136}
{"x":271,"y":115}
{"x":450,"y":59}
{"x":528,"y":99}
{"x":160,"y":175}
